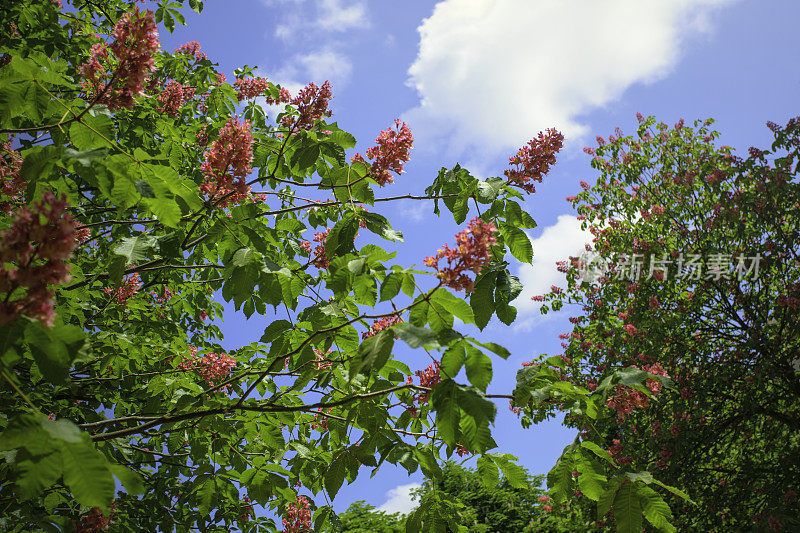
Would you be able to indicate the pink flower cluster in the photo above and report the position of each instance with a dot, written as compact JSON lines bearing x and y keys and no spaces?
{"x":252,"y":87}
{"x":191,"y":48}
{"x":428,"y":378}
{"x":533,"y":161}
{"x":298,"y":517}
{"x":320,"y":259}
{"x":94,"y":522}
{"x":472,"y":253}
{"x":173,"y":97}
{"x":40,"y":239}
{"x":227,"y":163}
{"x":625,"y":399}
{"x":135,"y":42}
{"x":248,"y":88}
{"x":380,"y":325}
{"x":12,"y":184}
{"x":321,"y":360}
{"x":212,"y":366}
{"x":320,"y":422}
{"x":312,"y":105}
{"x":126,"y":290}
{"x":391,"y":152}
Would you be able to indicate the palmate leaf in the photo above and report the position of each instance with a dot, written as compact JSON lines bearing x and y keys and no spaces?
{"x":518,"y":242}
{"x":590,"y":482}
{"x":514,"y":474}
{"x":479,"y":367}
{"x":628,"y":509}
{"x":135,"y":249}
{"x":655,"y":509}
{"x":489,"y":471}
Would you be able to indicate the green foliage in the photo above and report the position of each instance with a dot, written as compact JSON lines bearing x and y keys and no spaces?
{"x":132,"y":380}
{"x":697,"y":355}
{"x":361,"y":517}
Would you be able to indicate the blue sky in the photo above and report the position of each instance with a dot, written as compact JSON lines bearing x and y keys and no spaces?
{"x":475,"y":79}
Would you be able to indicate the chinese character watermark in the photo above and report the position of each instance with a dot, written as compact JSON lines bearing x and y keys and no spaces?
{"x":633,"y":267}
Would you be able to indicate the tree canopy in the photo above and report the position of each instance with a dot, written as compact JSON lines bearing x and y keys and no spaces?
{"x":140,"y":189}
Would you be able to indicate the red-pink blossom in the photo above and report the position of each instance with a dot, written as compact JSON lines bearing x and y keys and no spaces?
{"x":298,"y":517}
{"x":93,"y":522}
{"x":533,"y":161}
{"x":191,"y":48}
{"x":382,"y":324}
{"x":32,"y":258}
{"x":321,"y":361}
{"x":173,"y":96}
{"x":312,"y":105}
{"x":211,"y":367}
{"x":126,"y":290}
{"x":247,"y":88}
{"x":427,"y":378}
{"x":473,"y":252}
{"x":228,"y":162}
{"x":391,"y":152}
{"x":12,"y":184}
{"x":120,"y":76}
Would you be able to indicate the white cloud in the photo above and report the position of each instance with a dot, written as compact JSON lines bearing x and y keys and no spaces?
{"x":399,"y":499}
{"x":334,"y":15}
{"x":317,"y":66}
{"x":301,"y":19}
{"x":326,"y":65}
{"x":414,"y":210}
{"x":495,"y":73}
{"x":556,"y":243}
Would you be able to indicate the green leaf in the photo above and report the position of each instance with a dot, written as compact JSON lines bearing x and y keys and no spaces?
{"x":379,"y":225}
{"x":590,"y":482}
{"x":508,"y":286}
{"x":488,"y":190}
{"x":452,"y":360}
{"x":607,"y":498}
{"x":55,"y":349}
{"x":62,"y":429}
{"x":479,"y":368}
{"x":133,"y":482}
{"x":87,"y":475}
{"x":518,"y":242}
{"x":391,"y":286}
{"x":514,"y":474}
{"x":415,"y":336}
{"x":305,"y":157}
{"x":482,"y":300}
{"x":489,"y":472}
{"x":92,"y":131}
{"x":39,"y":161}
{"x":655,"y":509}
{"x":677,"y":492}
{"x":135,"y":249}
{"x":454,"y":305}
{"x":166,"y":211}
{"x":334,"y":476}
{"x":37,"y":474}
{"x":515,"y":216}
{"x":600,"y":452}
{"x":373,"y":353}
{"x":628,"y":509}
{"x":444,"y":399}
{"x":559,"y":479}
{"x":342,"y":237}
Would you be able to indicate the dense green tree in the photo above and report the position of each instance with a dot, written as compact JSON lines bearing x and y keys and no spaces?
{"x":140,"y":188}
{"x":361,"y":517}
{"x":501,"y":507}
{"x":696,"y":275}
